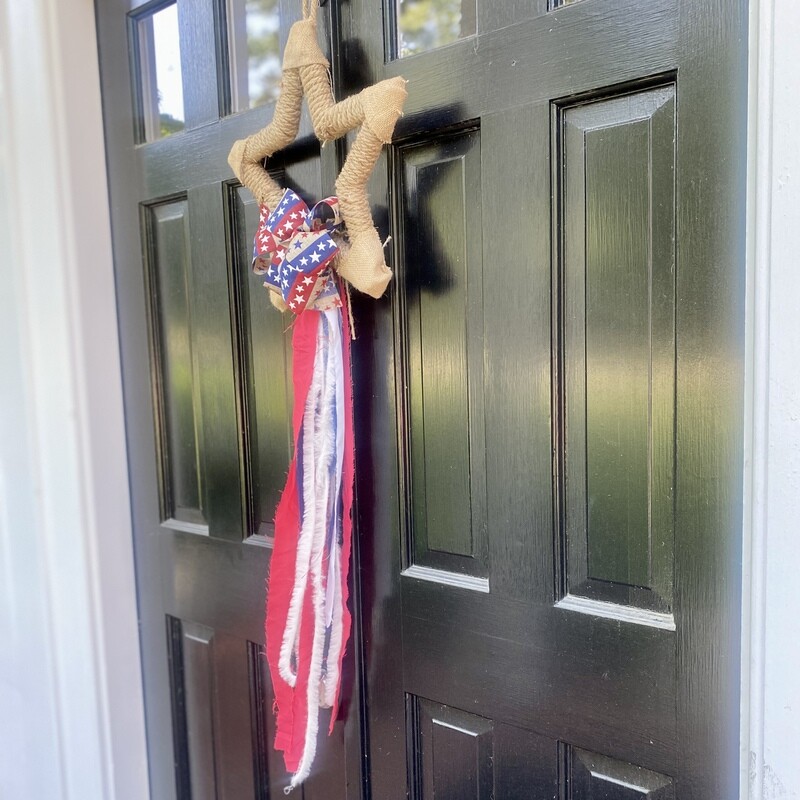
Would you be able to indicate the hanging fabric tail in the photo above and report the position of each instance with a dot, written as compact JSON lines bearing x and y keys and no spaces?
{"x":308,"y":623}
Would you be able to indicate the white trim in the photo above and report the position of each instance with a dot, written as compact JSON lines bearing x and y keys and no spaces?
{"x":756,"y":379}
{"x":195,"y":528}
{"x":770,"y":767}
{"x":455,"y":579}
{"x":630,"y":614}
{"x":71,"y":710}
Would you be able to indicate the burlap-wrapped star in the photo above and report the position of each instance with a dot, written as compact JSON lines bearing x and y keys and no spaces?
{"x":373,"y":111}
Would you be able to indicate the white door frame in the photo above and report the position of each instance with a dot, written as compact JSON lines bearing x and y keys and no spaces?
{"x":770,"y":752}
{"x":70,"y":681}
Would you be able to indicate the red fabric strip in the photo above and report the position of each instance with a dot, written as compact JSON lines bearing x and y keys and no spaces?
{"x":348,"y":477}
{"x":291,"y":702}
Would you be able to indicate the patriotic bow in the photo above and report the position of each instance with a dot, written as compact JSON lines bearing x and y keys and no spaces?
{"x":294,"y":249}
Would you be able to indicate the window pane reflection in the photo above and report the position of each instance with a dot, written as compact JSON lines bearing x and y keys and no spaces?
{"x":161,"y":79}
{"x":427,"y":24}
{"x":254,"y":47}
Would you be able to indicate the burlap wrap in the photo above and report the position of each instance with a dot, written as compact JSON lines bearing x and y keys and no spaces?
{"x":374,"y":111}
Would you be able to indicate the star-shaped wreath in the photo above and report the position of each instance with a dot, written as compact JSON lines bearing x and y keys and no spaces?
{"x":373,"y":111}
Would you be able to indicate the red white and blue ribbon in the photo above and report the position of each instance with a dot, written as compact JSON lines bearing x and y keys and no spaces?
{"x":294,"y":250}
{"x":308,"y":623}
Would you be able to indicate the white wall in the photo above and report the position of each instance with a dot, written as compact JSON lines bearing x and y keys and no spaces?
{"x":71,"y":718}
{"x":771,"y":647}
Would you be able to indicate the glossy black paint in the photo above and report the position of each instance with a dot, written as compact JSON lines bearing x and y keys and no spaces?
{"x":602,"y":635}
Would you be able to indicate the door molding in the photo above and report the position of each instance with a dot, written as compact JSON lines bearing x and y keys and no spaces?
{"x":771,"y":605}
{"x":70,"y":678}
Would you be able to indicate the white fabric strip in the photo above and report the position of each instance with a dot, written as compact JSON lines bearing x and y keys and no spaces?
{"x":325,"y":447}
{"x":304,"y":542}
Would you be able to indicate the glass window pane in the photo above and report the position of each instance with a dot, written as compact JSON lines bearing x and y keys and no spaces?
{"x":161,"y":79}
{"x":254,"y":47}
{"x":427,"y":24}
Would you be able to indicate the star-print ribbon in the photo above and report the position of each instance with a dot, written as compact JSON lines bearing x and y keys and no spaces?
{"x":294,"y":249}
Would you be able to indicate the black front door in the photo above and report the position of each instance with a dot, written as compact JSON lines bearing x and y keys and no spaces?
{"x":548,"y":400}
{"x":550,"y":443}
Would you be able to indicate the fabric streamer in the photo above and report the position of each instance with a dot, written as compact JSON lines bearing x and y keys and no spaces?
{"x":308,"y":623}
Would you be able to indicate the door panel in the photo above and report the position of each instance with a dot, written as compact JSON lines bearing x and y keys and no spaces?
{"x":443,"y":331}
{"x":178,"y":402}
{"x":263,"y":351}
{"x":264,"y":367}
{"x":597,"y":777}
{"x":615,"y":177}
{"x":453,"y":750}
{"x":572,"y":400}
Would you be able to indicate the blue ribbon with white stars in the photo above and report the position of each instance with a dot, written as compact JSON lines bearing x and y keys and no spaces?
{"x":293,"y":250}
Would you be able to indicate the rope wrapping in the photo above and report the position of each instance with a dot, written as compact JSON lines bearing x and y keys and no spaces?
{"x":373,"y":111}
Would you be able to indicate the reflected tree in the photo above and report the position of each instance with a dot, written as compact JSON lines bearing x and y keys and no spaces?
{"x":427,"y":24}
{"x":263,"y":50}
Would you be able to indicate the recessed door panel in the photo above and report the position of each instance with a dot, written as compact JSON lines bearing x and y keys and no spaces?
{"x":591,"y":776}
{"x":264,"y":373}
{"x":175,"y":380}
{"x":217,"y":709}
{"x":441,"y":274}
{"x":616,"y":175}
{"x":452,"y":752}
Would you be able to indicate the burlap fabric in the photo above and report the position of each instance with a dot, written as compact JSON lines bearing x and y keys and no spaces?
{"x":374,"y":111}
